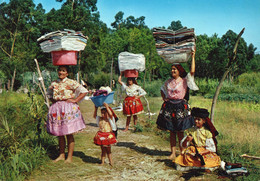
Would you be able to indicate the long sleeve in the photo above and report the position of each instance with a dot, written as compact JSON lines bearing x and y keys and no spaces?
{"x":97,"y":120}
{"x":210,"y":145}
{"x":113,"y":124}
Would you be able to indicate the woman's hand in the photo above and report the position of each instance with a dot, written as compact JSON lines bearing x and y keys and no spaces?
{"x":189,"y":138}
{"x":72,"y":100}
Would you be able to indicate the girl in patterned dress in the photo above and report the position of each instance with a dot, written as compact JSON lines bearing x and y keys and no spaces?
{"x":175,"y":111}
{"x":132,"y":103}
{"x":105,"y":137}
{"x":201,"y":138}
{"x":64,"y":117}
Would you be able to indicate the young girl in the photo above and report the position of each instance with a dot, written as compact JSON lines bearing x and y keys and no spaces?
{"x":64,"y":117}
{"x":132,"y":103}
{"x":105,"y":136}
{"x":200,"y":138}
{"x":175,"y":111}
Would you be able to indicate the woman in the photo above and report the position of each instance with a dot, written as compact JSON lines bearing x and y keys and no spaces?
{"x":64,"y":117}
{"x":132,"y":103}
{"x":175,"y":111}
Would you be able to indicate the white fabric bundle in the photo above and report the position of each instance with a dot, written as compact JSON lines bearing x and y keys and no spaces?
{"x":130,"y":61}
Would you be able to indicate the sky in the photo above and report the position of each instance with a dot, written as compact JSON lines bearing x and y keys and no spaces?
{"x":205,"y":16}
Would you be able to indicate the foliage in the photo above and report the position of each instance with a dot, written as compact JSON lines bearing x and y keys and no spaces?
{"x":23,"y":145}
{"x":153,"y":88}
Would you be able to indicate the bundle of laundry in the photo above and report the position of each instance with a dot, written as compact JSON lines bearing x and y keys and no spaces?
{"x":131,"y":63}
{"x":174,"y":46}
{"x":68,"y":40}
{"x":63,"y":45}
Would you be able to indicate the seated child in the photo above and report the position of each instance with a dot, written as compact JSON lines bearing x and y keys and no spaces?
{"x":199,"y":147}
{"x":105,"y":136}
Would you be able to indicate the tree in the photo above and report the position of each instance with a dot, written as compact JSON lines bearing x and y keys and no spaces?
{"x":17,"y":48}
{"x":175,"y":25}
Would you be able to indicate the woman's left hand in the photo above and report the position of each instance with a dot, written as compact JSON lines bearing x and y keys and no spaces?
{"x":72,"y":100}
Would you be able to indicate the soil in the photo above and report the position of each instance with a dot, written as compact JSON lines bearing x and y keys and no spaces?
{"x":136,"y":156}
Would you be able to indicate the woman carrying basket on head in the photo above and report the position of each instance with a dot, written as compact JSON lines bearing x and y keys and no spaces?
{"x":175,"y":111}
{"x":132,"y":103}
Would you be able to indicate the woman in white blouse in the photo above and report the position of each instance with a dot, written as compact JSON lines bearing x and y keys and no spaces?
{"x":132,"y":103}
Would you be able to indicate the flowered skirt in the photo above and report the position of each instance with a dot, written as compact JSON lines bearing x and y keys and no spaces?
{"x":132,"y":106}
{"x":64,"y":118}
{"x":104,"y":138}
{"x":187,"y":160}
{"x":175,"y":115}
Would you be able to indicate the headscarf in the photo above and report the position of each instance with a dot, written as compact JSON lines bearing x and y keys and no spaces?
{"x":203,"y":113}
{"x":181,"y":70}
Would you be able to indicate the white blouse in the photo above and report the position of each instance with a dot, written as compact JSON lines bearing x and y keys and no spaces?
{"x":133,"y":90}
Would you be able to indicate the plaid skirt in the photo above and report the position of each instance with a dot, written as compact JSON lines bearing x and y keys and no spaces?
{"x":175,"y":115}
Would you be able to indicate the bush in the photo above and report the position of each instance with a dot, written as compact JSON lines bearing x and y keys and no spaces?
{"x":153,"y":88}
{"x":23,"y":146}
{"x":249,"y":79}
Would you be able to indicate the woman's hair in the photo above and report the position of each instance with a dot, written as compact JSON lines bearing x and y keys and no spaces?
{"x":133,"y":79}
{"x":66,"y":66}
{"x":181,"y":70}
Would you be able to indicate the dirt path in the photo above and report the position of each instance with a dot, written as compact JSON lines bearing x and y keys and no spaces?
{"x":137,"y":156}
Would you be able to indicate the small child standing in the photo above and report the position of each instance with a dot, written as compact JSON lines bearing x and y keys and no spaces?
{"x":105,"y":136}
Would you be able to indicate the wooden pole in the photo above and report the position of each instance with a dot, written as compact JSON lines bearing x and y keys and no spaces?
{"x":228,"y":69}
{"x":42,"y":82}
{"x":111,"y":74}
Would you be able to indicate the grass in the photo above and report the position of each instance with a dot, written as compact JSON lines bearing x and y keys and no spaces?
{"x":238,"y":126}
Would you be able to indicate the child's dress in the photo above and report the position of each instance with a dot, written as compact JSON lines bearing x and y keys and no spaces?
{"x":64,"y":117}
{"x":175,"y":113}
{"x":132,"y":106}
{"x":105,"y":135}
{"x":203,"y":139}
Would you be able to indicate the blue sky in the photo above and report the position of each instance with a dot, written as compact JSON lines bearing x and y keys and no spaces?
{"x":206,"y":16}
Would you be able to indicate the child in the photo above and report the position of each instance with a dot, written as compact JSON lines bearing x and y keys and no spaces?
{"x":175,"y":111}
{"x":199,"y":146}
{"x":64,"y":117}
{"x":105,"y":136}
{"x":132,"y":103}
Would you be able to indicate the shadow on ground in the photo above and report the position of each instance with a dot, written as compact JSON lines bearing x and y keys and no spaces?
{"x":86,"y":158}
{"x":144,"y":150}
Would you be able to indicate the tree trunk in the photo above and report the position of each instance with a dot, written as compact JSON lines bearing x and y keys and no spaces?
{"x":111,"y":73}
{"x":13,"y":79}
{"x":229,"y":67}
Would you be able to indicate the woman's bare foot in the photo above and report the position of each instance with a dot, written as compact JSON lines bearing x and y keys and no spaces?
{"x":172,"y":156}
{"x":111,"y":164}
{"x":61,"y":157}
{"x":101,"y":163}
{"x":68,"y":160}
{"x":125,"y":130}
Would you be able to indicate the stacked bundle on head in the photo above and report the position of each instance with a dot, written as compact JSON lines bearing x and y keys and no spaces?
{"x":63,"y":46}
{"x":131,"y":63}
{"x":174,"y":46}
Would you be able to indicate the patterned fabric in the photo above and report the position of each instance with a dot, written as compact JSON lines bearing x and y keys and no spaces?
{"x":133,"y":90}
{"x":175,"y":116}
{"x":132,"y":106}
{"x":104,"y":138}
{"x":64,"y":89}
{"x":186,"y":159}
{"x":64,"y":118}
{"x":176,"y":89}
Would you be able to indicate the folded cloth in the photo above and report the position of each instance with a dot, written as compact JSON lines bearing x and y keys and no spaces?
{"x":100,"y":92}
{"x":174,"y":46}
